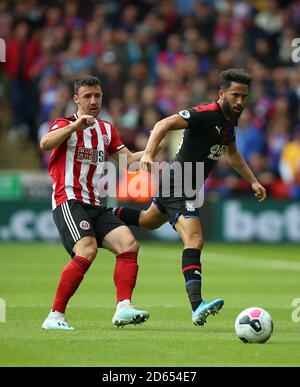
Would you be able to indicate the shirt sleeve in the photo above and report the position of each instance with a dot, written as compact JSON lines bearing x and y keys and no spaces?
{"x":115,"y":144}
{"x":192,"y":116}
{"x":59,"y":123}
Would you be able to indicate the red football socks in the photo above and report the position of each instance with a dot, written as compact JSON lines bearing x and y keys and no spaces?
{"x":125,"y":274}
{"x":70,"y":279}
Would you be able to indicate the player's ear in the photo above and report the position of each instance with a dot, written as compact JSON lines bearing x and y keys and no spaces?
{"x":76,"y":99}
{"x":221,"y":94}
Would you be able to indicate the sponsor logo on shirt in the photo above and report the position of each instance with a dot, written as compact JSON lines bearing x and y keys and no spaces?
{"x":89,"y":155}
{"x":216,"y":152}
{"x":218,"y":129}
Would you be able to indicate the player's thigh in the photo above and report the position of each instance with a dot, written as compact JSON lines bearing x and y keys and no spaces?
{"x":152,"y":218}
{"x":190,"y":231}
{"x":73,"y":224}
{"x":120,"y":240}
{"x":112,"y":234}
{"x":86,"y":247}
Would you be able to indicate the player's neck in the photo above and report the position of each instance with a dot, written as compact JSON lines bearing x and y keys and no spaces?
{"x":222,"y":109}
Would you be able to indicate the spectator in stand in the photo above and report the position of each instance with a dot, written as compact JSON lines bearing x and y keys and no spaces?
{"x":249,"y":138}
{"x":289,"y":164}
{"x":22,"y":51}
{"x":172,"y":56}
{"x":277,"y":138}
{"x":73,"y":63}
{"x":71,"y":16}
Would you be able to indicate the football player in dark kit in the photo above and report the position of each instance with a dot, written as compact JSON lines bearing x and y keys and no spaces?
{"x":209,"y":133}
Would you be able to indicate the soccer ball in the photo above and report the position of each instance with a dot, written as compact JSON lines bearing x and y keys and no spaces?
{"x":254,"y":325}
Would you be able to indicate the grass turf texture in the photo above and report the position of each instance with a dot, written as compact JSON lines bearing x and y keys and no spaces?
{"x":244,"y":275}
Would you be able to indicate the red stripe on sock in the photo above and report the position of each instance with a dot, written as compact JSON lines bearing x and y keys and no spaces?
{"x":70,"y":279}
{"x":191,"y":267}
{"x":125,"y":274}
{"x":119,"y":212}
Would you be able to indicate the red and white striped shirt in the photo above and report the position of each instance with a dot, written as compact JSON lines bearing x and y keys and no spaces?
{"x":76,"y":165}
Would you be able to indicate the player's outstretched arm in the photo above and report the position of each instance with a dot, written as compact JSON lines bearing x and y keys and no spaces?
{"x":56,"y":137}
{"x":161,"y":128}
{"x":128,"y":157}
{"x":238,"y":163}
{"x":132,"y":157}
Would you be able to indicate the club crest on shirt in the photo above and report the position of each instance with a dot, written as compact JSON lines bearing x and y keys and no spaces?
{"x":105,"y":140}
{"x":84,"y":225}
{"x":190,"y":206}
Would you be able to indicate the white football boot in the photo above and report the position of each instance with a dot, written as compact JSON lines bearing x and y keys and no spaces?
{"x":56,"y":321}
{"x":126,"y":314}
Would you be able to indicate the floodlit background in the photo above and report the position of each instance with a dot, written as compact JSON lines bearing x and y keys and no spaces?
{"x":154,"y":59}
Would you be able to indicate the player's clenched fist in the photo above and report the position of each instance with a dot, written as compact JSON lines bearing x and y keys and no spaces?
{"x":84,"y":122}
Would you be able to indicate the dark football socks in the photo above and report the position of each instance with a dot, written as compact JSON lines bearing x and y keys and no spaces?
{"x":191,"y":269}
{"x":130,"y":216}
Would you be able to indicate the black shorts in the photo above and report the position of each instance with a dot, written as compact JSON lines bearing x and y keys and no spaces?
{"x":174,"y":207}
{"x":171,"y":198}
{"x":75,"y":220}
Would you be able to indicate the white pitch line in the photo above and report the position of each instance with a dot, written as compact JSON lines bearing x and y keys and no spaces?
{"x":94,"y":306}
{"x":98,"y":306}
{"x":274,"y":264}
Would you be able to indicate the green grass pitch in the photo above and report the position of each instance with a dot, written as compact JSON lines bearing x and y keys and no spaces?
{"x":244,"y":275}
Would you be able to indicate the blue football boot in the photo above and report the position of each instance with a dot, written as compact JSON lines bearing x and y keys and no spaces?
{"x":205,"y":309}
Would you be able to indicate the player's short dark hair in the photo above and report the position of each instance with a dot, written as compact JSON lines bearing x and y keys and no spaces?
{"x":234,"y":75}
{"x":87,"y":80}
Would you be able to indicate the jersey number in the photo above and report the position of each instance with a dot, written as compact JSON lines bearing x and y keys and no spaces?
{"x":101,"y":156}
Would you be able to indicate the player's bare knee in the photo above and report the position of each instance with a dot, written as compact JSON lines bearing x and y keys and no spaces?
{"x":131,"y":244}
{"x":91,"y":252}
{"x":195,"y":241}
{"x":88,"y":250}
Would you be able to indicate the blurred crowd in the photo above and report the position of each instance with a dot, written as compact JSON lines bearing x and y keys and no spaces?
{"x":154,"y":58}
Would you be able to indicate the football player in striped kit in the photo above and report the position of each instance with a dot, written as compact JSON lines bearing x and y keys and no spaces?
{"x":80,"y":145}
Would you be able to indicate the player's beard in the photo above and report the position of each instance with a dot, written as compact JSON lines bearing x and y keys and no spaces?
{"x":94,"y":112}
{"x":230,"y":113}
